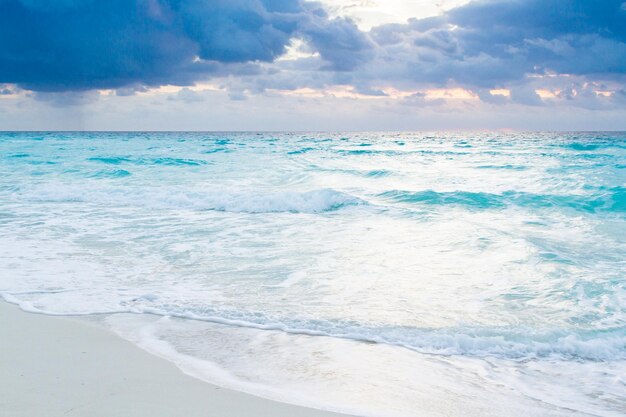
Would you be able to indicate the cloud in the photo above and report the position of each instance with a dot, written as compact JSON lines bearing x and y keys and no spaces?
{"x":489,"y":43}
{"x":90,"y":44}
{"x":6,"y":90}
{"x":131,"y":90}
{"x":526,"y":95}
{"x":566,"y":47}
{"x":339,"y":42}
{"x":66,"y":98}
{"x":420,"y":100}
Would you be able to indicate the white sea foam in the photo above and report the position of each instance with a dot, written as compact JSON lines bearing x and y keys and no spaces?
{"x":505,"y":343}
{"x":315,"y":201}
{"x":271,"y":364}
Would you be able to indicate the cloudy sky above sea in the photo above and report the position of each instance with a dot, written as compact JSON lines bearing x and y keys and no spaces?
{"x":300,"y":65}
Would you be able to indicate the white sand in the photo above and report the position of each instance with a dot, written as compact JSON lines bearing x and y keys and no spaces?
{"x":61,"y":366}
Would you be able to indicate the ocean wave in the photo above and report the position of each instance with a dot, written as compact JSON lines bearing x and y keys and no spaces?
{"x":511,"y":343}
{"x":112,"y":160}
{"x":506,"y":343}
{"x":217,"y":150}
{"x":117,"y":173}
{"x":507,"y":166}
{"x":610,"y":200}
{"x":18,"y":155}
{"x":594,"y":146}
{"x":316,"y":201}
{"x":378,"y":173}
{"x":300,"y":151}
{"x":118,"y":160}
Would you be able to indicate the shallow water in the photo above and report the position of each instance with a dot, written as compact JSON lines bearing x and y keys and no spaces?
{"x":381,"y":274}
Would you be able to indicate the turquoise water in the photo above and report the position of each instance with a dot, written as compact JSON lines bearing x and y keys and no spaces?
{"x":373,"y":273}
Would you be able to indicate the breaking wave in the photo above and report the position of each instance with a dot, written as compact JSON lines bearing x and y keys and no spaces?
{"x":316,"y":201}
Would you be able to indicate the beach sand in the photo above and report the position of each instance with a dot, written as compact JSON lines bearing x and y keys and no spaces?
{"x":63,"y":366}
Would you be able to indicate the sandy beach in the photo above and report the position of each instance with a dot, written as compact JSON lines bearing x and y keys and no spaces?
{"x":63,"y":366}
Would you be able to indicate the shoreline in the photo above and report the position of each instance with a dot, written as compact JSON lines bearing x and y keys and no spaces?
{"x":63,"y":366}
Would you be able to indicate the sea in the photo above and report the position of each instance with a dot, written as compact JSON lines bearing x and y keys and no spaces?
{"x":376,"y":274}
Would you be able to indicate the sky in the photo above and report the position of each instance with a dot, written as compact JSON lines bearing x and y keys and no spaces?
{"x":331,"y":65}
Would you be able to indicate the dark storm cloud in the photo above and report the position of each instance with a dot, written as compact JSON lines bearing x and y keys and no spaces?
{"x":341,"y":44}
{"x":491,"y":43}
{"x":86,"y":44}
{"x":128,"y":45}
{"x":65,"y":98}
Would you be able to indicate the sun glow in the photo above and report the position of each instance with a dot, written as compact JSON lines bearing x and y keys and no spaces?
{"x":500,"y":92}
{"x":370,"y":13}
{"x":547,"y":94}
{"x":450,"y":93}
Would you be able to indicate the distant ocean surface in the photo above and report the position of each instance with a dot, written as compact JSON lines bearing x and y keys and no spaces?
{"x":377,"y":274}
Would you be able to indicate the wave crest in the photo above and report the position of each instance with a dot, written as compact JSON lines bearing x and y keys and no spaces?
{"x":316,"y":201}
{"x":515,"y":343}
{"x":613,"y":199}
